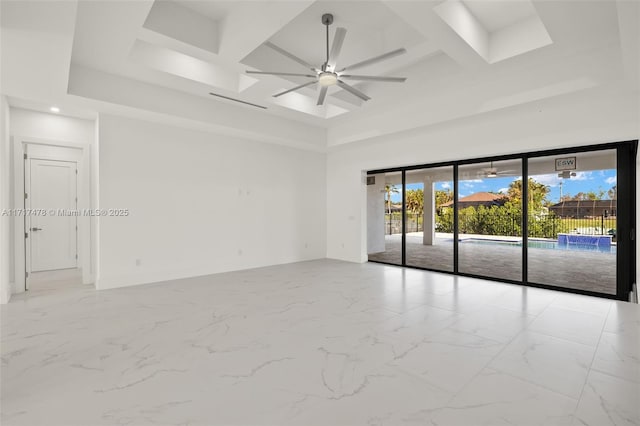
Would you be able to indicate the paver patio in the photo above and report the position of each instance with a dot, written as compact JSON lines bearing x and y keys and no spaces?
{"x":583,"y":270}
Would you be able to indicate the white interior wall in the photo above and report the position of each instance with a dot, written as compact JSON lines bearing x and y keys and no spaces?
{"x":588,"y":117}
{"x":5,"y":194}
{"x":41,"y":125}
{"x":202,"y":203}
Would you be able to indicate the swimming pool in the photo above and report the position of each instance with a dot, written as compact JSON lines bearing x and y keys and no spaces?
{"x":537,"y":244}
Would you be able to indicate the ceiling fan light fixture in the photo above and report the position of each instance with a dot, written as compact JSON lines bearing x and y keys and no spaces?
{"x":492,"y":174}
{"x":326,"y":75}
{"x":328,"y":79}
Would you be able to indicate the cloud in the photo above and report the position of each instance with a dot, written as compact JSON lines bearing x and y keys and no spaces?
{"x":553,"y":180}
{"x":467,"y":185}
{"x":549,"y":180}
{"x":445,"y":185}
{"x":503,"y":190}
{"x":611,"y":180}
{"x":583,"y":176}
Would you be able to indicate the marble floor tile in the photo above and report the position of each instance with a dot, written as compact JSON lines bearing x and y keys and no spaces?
{"x":588,"y":304}
{"x":577,"y":326}
{"x":527,"y":300}
{"x":623,"y":318}
{"x":448,"y":359}
{"x":618,"y":354}
{"x":494,"y":398}
{"x":559,"y":365}
{"x":493,"y":323}
{"x":316,"y":343}
{"x":609,"y":400}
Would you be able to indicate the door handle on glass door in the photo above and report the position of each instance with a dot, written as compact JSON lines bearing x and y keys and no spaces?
{"x":36,"y":229}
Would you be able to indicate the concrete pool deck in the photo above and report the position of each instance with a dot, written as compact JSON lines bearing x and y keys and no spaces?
{"x":582,"y":270}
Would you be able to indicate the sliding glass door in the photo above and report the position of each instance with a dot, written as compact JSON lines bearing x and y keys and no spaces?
{"x":573,"y":221}
{"x":490,"y":219}
{"x":429,"y":218}
{"x":561,"y":219}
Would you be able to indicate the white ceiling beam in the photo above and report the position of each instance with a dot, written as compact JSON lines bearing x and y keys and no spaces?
{"x":423,"y":18}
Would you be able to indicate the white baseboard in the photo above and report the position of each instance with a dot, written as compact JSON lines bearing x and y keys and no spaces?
{"x":128,"y":278}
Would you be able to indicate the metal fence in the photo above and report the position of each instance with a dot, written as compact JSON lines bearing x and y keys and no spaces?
{"x":485,"y":223}
{"x":393,"y":223}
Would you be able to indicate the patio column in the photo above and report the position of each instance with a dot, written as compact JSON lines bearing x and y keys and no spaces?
{"x":375,"y":215}
{"x":429,"y":216}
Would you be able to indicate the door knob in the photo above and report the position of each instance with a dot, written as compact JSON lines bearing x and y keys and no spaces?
{"x":36,"y":229}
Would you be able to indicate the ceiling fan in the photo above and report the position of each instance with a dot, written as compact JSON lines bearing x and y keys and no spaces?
{"x":492,"y":172}
{"x":328,"y":74}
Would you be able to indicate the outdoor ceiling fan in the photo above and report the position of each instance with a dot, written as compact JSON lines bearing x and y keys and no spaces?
{"x":328,"y":74}
{"x":492,"y":172}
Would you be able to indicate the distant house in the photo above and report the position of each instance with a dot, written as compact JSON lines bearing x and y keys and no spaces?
{"x":486,"y":199}
{"x":585,"y":208}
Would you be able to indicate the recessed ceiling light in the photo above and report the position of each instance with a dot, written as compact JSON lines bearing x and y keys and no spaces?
{"x":54,"y":109}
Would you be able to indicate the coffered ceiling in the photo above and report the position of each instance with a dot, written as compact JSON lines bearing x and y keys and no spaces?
{"x":162,"y":59}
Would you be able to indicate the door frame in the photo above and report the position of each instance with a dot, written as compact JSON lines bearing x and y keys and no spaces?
{"x":20,"y":146}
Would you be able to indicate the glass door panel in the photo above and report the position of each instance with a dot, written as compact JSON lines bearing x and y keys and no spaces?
{"x":573,"y":221}
{"x":490,"y":219}
{"x":384,"y":217}
{"x":429,"y":218}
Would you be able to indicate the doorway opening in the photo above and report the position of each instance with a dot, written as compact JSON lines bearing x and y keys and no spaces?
{"x":52,"y":235}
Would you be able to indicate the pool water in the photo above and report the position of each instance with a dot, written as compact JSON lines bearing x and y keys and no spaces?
{"x":553,"y":245}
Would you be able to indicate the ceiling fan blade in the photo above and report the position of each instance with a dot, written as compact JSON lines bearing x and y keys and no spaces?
{"x":322,"y":95}
{"x":293,"y":74}
{"x":374,"y":78}
{"x":290,"y":55}
{"x":338,"y":39}
{"x":295,"y":88}
{"x":353,"y":90}
{"x":380,"y":58}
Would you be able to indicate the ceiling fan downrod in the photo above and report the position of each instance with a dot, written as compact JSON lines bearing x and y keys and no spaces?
{"x":327,"y":19}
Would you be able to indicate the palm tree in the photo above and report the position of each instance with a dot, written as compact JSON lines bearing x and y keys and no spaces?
{"x":390,"y":189}
{"x":415,"y":201}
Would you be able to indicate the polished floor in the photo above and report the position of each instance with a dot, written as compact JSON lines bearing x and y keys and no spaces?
{"x":581,"y":270}
{"x":319,"y":343}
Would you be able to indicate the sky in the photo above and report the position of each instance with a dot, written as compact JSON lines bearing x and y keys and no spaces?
{"x":582,"y":182}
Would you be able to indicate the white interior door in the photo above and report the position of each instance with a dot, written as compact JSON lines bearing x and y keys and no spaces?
{"x":52,"y":187}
